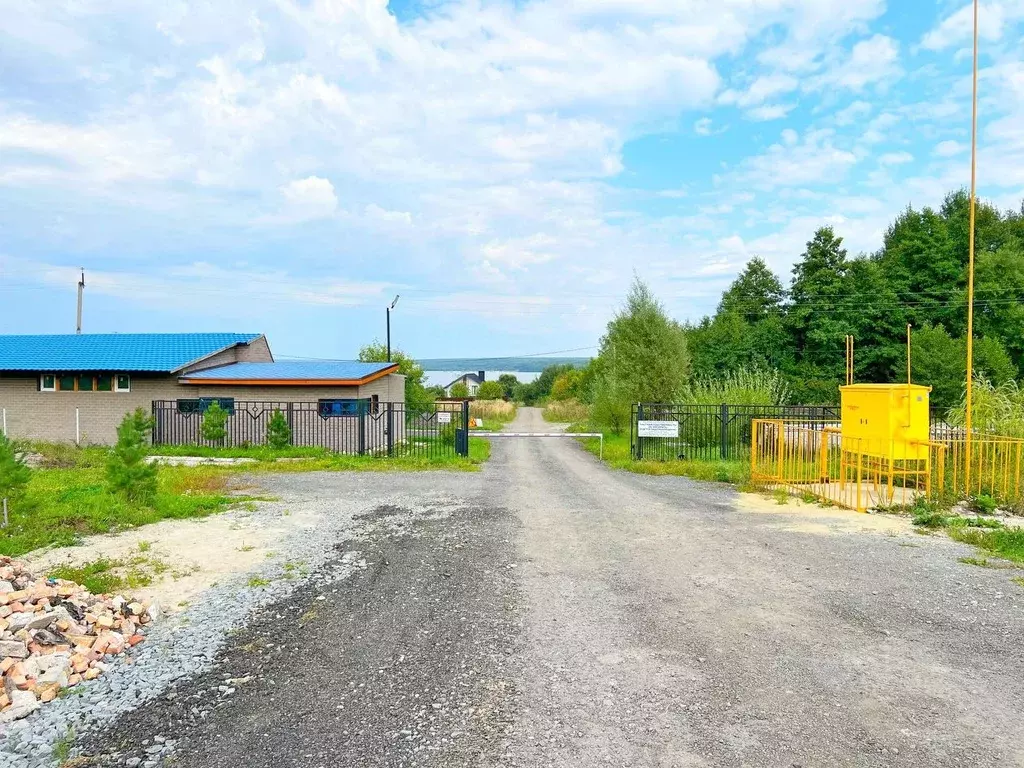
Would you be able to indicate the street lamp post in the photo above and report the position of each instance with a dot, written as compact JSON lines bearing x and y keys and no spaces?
{"x":390,"y":307}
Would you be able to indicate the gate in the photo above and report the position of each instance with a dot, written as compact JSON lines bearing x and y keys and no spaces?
{"x":374,"y":429}
{"x":711,"y":432}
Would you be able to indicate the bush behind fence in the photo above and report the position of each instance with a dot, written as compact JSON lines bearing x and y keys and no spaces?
{"x":388,"y":429}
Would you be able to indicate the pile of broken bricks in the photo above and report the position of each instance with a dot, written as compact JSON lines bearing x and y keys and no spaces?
{"x":54,"y":634}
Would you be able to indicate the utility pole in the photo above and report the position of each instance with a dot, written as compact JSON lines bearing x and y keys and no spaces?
{"x":81,"y":291}
{"x":970,"y":269}
{"x":390,"y":307}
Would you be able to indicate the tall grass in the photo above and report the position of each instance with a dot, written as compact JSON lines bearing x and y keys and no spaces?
{"x":566,"y":411}
{"x":744,"y":386}
{"x":499,"y":411}
{"x":995,"y":409}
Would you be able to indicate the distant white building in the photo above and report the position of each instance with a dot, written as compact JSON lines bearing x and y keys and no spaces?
{"x":471,"y":380}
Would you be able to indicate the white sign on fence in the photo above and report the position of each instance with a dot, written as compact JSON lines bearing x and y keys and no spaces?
{"x":658,"y":429}
{"x":444,"y":417}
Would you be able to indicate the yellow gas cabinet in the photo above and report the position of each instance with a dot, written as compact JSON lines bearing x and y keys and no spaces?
{"x":886,"y":421}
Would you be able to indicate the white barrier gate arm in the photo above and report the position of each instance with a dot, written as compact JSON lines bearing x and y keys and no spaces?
{"x":473,"y":433}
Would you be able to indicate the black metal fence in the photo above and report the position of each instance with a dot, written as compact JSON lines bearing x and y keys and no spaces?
{"x":375,"y":429}
{"x":709,"y":432}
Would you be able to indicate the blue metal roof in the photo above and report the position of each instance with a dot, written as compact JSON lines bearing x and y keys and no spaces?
{"x":327,"y":370}
{"x":158,"y":352}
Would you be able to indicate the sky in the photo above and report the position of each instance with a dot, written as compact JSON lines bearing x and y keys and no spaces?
{"x":505,"y":166}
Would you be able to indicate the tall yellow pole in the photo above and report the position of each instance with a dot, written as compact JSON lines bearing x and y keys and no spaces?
{"x":970,"y":264}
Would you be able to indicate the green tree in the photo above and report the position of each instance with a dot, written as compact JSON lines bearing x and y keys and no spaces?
{"x":14,"y":474}
{"x":999,"y":288}
{"x":644,"y":352}
{"x":755,"y":294}
{"x":612,"y":408}
{"x":279,"y":434}
{"x":568,"y":385}
{"x":417,"y":397}
{"x":508,"y":383}
{"x":214,"y":425}
{"x":940,"y":361}
{"x":490,"y":390}
{"x":128,"y":472}
{"x":459,"y":390}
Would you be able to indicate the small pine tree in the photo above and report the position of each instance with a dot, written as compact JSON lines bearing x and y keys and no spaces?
{"x":128,"y":472}
{"x":279,"y":434}
{"x":214,"y":426}
{"x":14,"y":474}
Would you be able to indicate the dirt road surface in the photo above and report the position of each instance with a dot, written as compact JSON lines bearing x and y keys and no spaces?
{"x":551,"y":612}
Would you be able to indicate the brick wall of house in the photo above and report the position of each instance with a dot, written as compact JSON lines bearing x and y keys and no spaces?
{"x":257,"y":351}
{"x":50,"y":416}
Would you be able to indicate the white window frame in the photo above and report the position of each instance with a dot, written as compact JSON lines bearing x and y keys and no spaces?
{"x":44,"y":388}
{"x":117,"y":382}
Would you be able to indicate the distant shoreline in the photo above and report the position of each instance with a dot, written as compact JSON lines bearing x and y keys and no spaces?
{"x":512,"y":364}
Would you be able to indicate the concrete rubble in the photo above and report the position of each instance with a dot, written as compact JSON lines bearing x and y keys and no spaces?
{"x":55,"y":634}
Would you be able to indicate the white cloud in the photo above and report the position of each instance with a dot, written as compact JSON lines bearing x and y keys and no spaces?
{"x":949,"y":148}
{"x":875,"y":60}
{"x":378,"y":215}
{"x":852,"y":113}
{"x":761,"y":90}
{"x":770,"y":112}
{"x":813,"y":160}
{"x":310,"y":198}
{"x":958,"y":28}
{"x":895,"y":158}
{"x":702,"y":127}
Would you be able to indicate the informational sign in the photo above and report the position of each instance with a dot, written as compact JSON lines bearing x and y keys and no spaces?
{"x":444,"y":417}
{"x":658,"y":429}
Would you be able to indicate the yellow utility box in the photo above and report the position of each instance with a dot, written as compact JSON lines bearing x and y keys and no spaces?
{"x":886,"y":420}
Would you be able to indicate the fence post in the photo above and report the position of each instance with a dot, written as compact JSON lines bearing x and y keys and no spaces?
{"x":639,"y":440}
{"x":391,"y":438}
{"x":156,"y":434}
{"x":724,"y":416}
{"x":361,"y":437}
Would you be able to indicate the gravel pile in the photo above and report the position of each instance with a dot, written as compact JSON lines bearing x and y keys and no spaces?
{"x":178,"y":647}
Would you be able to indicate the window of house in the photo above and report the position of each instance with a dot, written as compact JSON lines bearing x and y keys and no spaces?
{"x":123,"y":383}
{"x":201,"y":404}
{"x":47,"y":383}
{"x":375,"y":405}
{"x":347,"y":407}
{"x":85,"y":383}
{"x":66,"y":383}
{"x":104,"y":382}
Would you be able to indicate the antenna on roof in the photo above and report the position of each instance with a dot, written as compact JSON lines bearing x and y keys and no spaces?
{"x":81,"y":291}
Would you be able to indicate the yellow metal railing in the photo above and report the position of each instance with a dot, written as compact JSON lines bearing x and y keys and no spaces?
{"x":862,"y":474}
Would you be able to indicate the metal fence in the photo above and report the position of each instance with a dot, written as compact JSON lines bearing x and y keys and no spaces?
{"x":378,"y":429}
{"x":710,"y":432}
{"x":862,"y":473}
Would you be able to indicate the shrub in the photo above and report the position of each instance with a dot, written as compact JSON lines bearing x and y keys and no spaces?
{"x":982,"y":504}
{"x":460,"y":390}
{"x":491,"y":390}
{"x":744,"y":386}
{"x":214,"y":426}
{"x":279,"y":434}
{"x":128,"y":472}
{"x":612,"y":410}
{"x":14,"y":474}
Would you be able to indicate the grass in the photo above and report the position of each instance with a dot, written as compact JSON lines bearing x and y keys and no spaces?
{"x":981,"y":562}
{"x":258,"y":581}
{"x":1018,"y":580}
{"x":319,"y":459}
{"x":62,"y":505}
{"x":106,"y":575}
{"x":988,"y":535}
{"x":63,"y":746}
{"x":566,"y":412}
{"x":494,"y":413}
{"x":67,"y":498}
{"x":617,"y":454}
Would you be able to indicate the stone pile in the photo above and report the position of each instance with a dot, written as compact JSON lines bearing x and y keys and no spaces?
{"x":54,"y":634}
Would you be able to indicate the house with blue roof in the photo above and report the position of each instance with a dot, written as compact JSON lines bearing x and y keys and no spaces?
{"x":78,"y":387}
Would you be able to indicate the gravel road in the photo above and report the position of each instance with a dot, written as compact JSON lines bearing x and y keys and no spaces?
{"x":550,"y":612}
